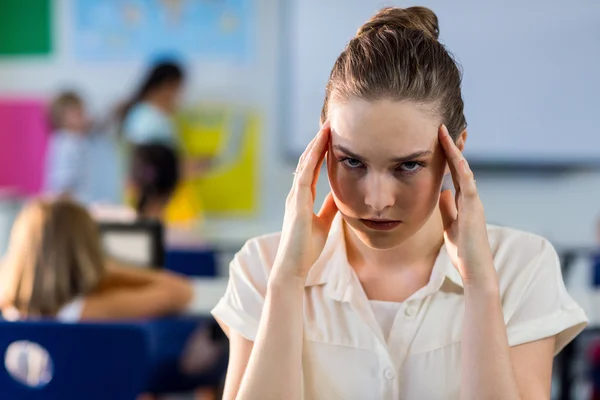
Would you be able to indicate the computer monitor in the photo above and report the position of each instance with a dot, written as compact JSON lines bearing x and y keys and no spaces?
{"x":139,"y":243}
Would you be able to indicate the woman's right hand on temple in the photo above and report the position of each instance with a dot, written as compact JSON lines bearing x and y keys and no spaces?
{"x":304,"y":233}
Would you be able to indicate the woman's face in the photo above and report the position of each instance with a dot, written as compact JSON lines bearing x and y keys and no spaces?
{"x":384,"y":164}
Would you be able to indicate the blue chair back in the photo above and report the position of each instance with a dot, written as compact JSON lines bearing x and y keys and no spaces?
{"x":169,"y":338}
{"x":192,"y":261}
{"x":94,"y":361}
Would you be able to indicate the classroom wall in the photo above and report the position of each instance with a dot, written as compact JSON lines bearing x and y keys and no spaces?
{"x":561,"y":207}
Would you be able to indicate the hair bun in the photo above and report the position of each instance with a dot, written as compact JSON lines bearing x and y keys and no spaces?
{"x":395,"y":18}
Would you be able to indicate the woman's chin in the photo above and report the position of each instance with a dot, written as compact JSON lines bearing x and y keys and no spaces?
{"x":380,"y":240}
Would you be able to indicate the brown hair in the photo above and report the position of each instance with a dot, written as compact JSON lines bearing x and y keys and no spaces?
{"x":60,"y":104}
{"x":54,"y":256}
{"x":396,"y":55}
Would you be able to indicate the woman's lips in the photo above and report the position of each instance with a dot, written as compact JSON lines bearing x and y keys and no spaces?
{"x":380,"y":225}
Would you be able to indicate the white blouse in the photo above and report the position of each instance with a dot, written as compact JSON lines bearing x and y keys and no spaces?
{"x":347,"y":354}
{"x":385,"y":313}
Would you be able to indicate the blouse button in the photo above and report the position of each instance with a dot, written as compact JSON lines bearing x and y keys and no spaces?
{"x":389,"y":374}
{"x":410,"y":311}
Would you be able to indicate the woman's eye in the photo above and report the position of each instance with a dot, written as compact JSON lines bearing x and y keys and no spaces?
{"x":352,"y":163}
{"x":411,"y":166}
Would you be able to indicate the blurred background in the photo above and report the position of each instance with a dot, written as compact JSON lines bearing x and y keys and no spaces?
{"x":255,"y":73}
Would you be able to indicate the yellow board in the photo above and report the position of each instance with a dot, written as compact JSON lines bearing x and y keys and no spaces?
{"x":185,"y":207}
{"x":231,"y":137}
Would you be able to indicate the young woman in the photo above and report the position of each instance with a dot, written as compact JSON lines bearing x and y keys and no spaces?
{"x":55,"y":268}
{"x":393,"y":290}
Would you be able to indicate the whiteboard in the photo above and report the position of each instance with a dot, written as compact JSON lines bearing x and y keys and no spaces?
{"x":531,"y":68}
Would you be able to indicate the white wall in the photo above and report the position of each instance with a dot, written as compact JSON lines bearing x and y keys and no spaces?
{"x":563,"y":208}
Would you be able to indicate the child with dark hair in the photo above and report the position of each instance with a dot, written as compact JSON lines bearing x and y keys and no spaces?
{"x":154,"y":176}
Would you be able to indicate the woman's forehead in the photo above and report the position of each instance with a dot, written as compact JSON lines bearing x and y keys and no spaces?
{"x":384,"y":125}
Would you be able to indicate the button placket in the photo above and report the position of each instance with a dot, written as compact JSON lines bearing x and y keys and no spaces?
{"x":405,"y":328}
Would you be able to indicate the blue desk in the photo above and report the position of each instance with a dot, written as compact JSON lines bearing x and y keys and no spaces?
{"x":192,"y":261}
{"x":100,"y":361}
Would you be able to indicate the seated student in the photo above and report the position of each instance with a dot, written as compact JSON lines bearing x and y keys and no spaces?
{"x":66,"y":159}
{"x":55,"y":267}
{"x":154,"y":178}
{"x":154,"y":175}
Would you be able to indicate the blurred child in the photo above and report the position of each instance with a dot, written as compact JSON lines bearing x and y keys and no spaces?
{"x":153,"y":178}
{"x":55,"y":267}
{"x":147,"y":118}
{"x":66,"y":165}
{"x":154,"y":181}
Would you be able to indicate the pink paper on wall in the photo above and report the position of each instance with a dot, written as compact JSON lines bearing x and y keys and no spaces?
{"x":23,"y":139}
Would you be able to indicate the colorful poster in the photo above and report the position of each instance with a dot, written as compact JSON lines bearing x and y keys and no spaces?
{"x":25,"y":27}
{"x":23,"y":138}
{"x":106,"y":30}
{"x":229,"y":136}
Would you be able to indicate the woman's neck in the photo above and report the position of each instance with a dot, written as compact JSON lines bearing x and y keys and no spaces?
{"x":420,"y":249}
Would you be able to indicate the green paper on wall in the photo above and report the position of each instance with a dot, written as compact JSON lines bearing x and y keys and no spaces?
{"x":25,"y":27}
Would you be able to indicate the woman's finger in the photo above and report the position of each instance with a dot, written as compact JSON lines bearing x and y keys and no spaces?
{"x":462,"y":176}
{"x":467,"y":180}
{"x":302,"y":159}
{"x":452,"y":153}
{"x":326,"y":131}
{"x":307,"y":172}
{"x":448,"y":208}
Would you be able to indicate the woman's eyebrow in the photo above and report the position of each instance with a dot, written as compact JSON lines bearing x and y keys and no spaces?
{"x":401,"y":159}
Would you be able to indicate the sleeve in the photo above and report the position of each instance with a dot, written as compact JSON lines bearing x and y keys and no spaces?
{"x":543,"y":308}
{"x":241,"y":306}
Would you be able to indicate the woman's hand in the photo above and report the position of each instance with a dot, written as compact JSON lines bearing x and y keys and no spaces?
{"x":304,"y":234}
{"x":465,"y":232}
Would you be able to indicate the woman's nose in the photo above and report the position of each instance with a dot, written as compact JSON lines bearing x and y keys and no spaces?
{"x":379,"y":192}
